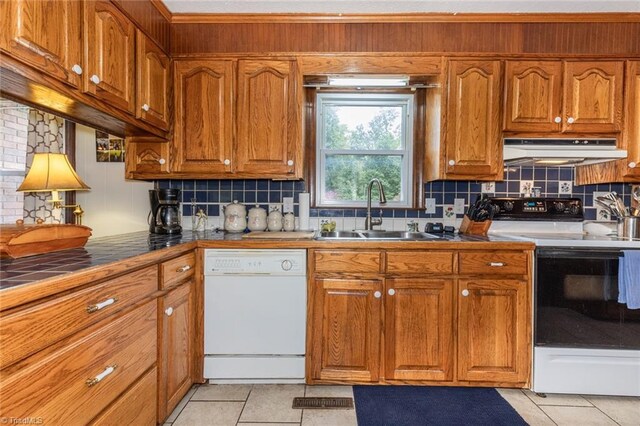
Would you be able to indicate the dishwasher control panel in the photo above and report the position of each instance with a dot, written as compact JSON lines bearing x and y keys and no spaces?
{"x":255,"y":262}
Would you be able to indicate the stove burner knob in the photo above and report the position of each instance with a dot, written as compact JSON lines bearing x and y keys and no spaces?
{"x":508,"y":206}
{"x":574,"y":209}
{"x":559,"y":206}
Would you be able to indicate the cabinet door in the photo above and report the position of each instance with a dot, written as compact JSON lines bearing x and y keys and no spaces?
{"x":345,"y":329}
{"x":44,"y":34}
{"x":593,"y":96}
{"x":472,"y":138}
{"x":269,"y":132}
{"x":203,"y":116}
{"x":632,"y":124}
{"x":534,"y":96}
{"x":147,"y":157}
{"x":493,"y":335}
{"x":419,"y":329}
{"x":176,"y":347}
{"x":152,"y":82}
{"x":109,"y":54}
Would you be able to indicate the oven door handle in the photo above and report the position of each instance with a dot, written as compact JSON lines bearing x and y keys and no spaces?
{"x":578,"y":254}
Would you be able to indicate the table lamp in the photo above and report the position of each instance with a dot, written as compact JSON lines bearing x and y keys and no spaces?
{"x":53,"y":172}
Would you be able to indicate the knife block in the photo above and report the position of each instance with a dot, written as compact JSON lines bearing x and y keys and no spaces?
{"x":470,"y":227}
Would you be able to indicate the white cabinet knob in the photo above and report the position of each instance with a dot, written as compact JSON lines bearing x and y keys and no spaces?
{"x":77,"y":69}
{"x":290,"y":163}
{"x":571,"y":120}
{"x":95,"y":79}
{"x":557,"y":120}
{"x":227,"y":162}
{"x":391,"y":292}
{"x":465,"y":292}
{"x":452,"y":162}
{"x":169,"y":311}
{"x":377,"y":295}
{"x":145,"y":107}
{"x":162,"y":161}
{"x":632,"y":165}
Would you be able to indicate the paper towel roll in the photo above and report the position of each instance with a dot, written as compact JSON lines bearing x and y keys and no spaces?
{"x":303,"y":210}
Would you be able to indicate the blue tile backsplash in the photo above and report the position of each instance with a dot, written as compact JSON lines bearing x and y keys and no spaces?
{"x":552,"y":181}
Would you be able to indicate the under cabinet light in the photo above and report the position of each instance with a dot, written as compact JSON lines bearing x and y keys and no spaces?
{"x":369,"y":81}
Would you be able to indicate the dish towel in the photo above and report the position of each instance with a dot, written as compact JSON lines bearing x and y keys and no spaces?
{"x":629,"y":277}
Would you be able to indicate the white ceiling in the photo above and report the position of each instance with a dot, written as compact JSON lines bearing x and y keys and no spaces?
{"x":400,"y":6}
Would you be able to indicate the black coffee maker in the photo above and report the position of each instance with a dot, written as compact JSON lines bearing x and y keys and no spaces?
{"x":164,"y":217}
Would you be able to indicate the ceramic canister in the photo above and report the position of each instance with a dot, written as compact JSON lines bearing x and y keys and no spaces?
{"x":257,"y":219}
{"x":274,"y":221}
{"x":235,"y":217}
{"x":289,"y":222}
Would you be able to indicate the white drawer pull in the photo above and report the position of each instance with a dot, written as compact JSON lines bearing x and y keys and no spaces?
{"x":110,"y":369}
{"x":95,"y":79}
{"x":184,"y":268}
{"x":496,"y":264}
{"x":465,"y":292}
{"x":391,"y":292}
{"x":377,"y":295}
{"x":93,"y":308}
{"x":169,"y":311}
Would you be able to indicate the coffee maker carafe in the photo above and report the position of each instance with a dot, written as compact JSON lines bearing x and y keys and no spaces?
{"x":164,"y":217}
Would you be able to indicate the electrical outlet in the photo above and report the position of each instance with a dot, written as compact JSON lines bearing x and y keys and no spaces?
{"x":430,"y":205}
{"x":458,"y":206}
{"x":287,"y":205}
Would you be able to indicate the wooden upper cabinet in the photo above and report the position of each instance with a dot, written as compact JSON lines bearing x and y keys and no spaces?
{"x":493,"y":332}
{"x":345,"y":329}
{"x":45,"y":34}
{"x":631,"y":135}
{"x":109,"y":40}
{"x":419,"y":329}
{"x":533,"y":96}
{"x":153,"y":68}
{"x":593,"y":96}
{"x":203,"y":116}
{"x":147,"y":157}
{"x":472,"y":137}
{"x":269,"y":140}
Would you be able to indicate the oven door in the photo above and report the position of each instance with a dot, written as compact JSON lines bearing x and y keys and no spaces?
{"x":576,"y":301}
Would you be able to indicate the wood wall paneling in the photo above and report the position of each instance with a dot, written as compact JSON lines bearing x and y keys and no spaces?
{"x":149,"y":19}
{"x":559,"y":38}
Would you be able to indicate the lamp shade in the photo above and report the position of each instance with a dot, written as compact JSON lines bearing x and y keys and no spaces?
{"x":51,"y":172}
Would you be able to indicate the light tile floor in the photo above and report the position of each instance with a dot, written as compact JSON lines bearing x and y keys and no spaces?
{"x":246,"y":405}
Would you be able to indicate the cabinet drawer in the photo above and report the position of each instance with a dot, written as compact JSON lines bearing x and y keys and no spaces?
{"x":135,"y":407}
{"x":493,"y":262}
{"x":58,"y":386}
{"x":30,"y":330}
{"x":420,"y":262}
{"x":177,"y":270}
{"x":347,"y":261}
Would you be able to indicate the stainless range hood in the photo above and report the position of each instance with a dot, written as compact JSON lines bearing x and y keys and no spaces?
{"x":560,"y":152}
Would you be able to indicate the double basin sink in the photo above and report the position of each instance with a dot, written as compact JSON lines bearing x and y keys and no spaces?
{"x":378,"y":235}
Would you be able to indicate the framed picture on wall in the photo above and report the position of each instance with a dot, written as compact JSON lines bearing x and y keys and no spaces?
{"x":109,"y":149}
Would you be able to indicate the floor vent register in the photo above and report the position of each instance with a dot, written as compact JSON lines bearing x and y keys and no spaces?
{"x":323,"y":403}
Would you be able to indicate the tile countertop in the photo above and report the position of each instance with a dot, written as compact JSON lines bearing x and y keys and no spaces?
{"x":100,"y":252}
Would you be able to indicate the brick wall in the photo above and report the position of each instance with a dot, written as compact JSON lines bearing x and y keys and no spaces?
{"x":14,"y":121}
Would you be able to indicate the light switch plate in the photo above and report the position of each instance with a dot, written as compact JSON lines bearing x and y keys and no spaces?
{"x":430,"y":205}
{"x":287,"y":204}
{"x":458,"y":206}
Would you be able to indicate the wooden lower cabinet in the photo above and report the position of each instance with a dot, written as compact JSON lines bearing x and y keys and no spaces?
{"x":345,"y":333}
{"x":419,"y":329}
{"x":175,"y":341}
{"x":493,"y":333}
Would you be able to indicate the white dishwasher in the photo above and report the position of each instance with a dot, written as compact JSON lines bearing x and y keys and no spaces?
{"x":255,"y":304}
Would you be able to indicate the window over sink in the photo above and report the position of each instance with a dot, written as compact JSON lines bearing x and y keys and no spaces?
{"x":360,"y":136}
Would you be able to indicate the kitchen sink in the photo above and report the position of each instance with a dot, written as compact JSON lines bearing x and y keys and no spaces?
{"x":378,"y":235}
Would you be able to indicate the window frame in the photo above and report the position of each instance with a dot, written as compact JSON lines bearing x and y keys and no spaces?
{"x":353,"y":98}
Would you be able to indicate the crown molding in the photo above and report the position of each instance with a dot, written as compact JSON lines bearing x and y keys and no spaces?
{"x":280,"y":18}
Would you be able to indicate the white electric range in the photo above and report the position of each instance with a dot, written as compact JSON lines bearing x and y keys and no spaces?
{"x":585,"y":342}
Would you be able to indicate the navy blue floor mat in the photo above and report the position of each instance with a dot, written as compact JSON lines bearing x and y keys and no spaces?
{"x":432,"y":405}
